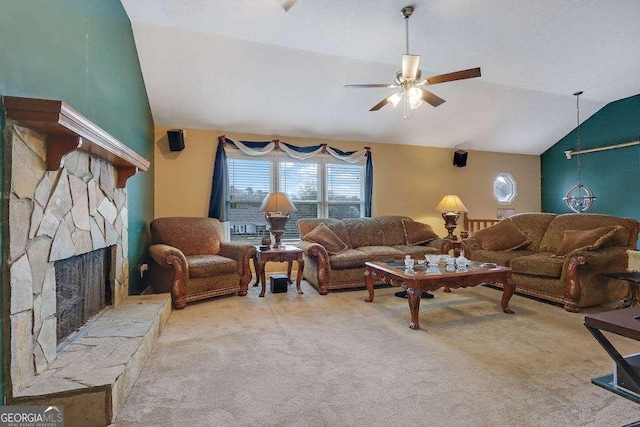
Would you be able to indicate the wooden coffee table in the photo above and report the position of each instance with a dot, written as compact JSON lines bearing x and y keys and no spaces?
{"x":419,"y":280}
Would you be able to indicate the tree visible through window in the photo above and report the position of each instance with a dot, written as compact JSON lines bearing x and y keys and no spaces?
{"x":318,"y":189}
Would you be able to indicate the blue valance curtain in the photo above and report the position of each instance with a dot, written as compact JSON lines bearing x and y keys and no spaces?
{"x":218,"y":206}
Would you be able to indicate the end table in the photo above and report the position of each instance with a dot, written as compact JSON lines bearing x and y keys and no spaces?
{"x":288,"y":255}
{"x":633,"y":281}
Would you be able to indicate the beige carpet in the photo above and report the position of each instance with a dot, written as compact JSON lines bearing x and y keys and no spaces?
{"x":311,"y":360}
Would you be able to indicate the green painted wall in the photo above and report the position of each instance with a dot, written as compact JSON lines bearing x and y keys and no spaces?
{"x":83,"y":52}
{"x":613,"y":175}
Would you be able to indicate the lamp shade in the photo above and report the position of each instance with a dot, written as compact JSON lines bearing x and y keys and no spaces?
{"x":277,"y":202}
{"x":451,"y":203}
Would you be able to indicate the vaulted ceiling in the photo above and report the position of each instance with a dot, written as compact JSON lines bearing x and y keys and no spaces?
{"x":247,"y":66}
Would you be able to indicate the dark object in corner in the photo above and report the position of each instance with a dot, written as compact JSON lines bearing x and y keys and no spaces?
{"x":279,"y":283}
{"x":176,"y":139}
{"x":460,"y":158}
{"x":403,"y":294}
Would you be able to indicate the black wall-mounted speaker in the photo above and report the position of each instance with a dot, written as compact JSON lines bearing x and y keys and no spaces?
{"x":176,"y":139}
{"x":460,"y":158}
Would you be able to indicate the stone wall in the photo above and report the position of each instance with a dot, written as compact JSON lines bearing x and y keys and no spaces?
{"x":53,"y":215}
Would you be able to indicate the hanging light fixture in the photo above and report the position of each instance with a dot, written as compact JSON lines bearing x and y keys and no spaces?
{"x":579,"y":198}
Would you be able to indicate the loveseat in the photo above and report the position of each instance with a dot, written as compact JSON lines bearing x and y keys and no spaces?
{"x":560,"y":258}
{"x":335,"y":251}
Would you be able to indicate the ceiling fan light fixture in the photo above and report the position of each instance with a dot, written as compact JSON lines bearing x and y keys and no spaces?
{"x":415,"y":98}
{"x":414,"y":103}
{"x":395,"y":98}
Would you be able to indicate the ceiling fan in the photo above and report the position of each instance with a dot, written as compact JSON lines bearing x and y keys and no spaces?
{"x":409,"y":79}
{"x":288,"y":4}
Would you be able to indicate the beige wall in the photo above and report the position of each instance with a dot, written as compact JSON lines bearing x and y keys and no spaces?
{"x":408,"y":180}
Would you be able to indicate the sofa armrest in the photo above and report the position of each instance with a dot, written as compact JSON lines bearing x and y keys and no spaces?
{"x":471,"y":245}
{"x":581,"y":262}
{"x":169,"y":257}
{"x":241,"y":252}
{"x":604,"y":260}
{"x":315,"y":250}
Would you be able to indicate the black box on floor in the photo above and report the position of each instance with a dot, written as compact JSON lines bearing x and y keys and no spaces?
{"x":279,"y":283}
{"x":622,"y":380}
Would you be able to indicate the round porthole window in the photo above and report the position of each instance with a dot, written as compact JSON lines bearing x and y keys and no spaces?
{"x":505,"y":188}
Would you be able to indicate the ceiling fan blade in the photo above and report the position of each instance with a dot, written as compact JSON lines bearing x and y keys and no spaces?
{"x":288,"y":4}
{"x":370,"y":85}
{"x":385,"y":101}
{"x":430,"y":98}
{"x":410,"y":66}
{"x":456,"y":75}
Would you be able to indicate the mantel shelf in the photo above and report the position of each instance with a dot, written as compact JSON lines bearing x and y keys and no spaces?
{"x":67,"y":130}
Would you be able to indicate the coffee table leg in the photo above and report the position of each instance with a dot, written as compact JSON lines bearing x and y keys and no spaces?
{"x":368,"y":280}
{"x":508,"y":288}
{"x":413,"y":296}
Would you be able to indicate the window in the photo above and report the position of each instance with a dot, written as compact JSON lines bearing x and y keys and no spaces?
{"x":322,"y":187}
{"x":505,"y":188}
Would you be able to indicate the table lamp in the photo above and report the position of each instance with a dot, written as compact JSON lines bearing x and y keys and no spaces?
{"x":276,"y":207}
{"x":451,"y":206}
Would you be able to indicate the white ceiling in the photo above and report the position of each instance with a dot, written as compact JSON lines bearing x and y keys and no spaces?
{"x":247,"y":66}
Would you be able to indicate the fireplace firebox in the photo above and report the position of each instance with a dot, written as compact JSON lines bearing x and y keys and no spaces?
{"x":83,"y":289}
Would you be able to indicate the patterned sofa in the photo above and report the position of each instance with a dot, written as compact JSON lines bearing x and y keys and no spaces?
{"x":335,"y":250}
{"x":561,"y":258}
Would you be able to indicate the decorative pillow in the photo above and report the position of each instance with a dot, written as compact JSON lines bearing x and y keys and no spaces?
{"x":503,"y":236}
{"x":327,"y":238}
{"x":587,"y":240}
{"x":416,"y":233}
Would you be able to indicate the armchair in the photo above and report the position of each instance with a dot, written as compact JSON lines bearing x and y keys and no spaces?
{"x":190,"y":260}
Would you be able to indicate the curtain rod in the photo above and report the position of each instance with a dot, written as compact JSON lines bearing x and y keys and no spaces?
{"x":571,"y":153}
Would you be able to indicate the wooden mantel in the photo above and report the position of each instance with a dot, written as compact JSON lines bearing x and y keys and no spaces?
{"x":67,"y":130}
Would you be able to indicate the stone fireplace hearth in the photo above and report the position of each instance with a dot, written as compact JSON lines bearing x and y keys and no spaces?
{"x":65,"y":194}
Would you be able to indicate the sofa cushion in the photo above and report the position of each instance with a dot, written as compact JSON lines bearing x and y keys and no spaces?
{"x":364,"y":232}
{"x":539,"y":264}
{"x":210,"y":265}
{"x":349,"y":258}
{"x":417,"y":251}
{"x":503,"y":236}
{"x":585,"y":239}
{"x":534,"y":226}
{"x":306,"y":225}
{"x":392,"y":229}
{"x":501,"y":258}
{"x":416,"y":233}
{"x":627,"y":236}
{"x":378,"y":253}
{"x":327,"y":238}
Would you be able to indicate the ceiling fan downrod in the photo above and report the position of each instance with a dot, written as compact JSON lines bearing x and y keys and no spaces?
{"x":406,"y":13}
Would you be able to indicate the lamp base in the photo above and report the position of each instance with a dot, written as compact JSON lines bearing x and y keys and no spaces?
{"x":276,"y":223}
{"x":450,"y":223}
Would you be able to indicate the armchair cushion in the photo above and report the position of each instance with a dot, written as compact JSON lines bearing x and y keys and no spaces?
{"x":416,"y":233}
{"x":327,"y":238}
{"x":585,"y":239}
{"x":210,"y":265}
{"x":503,"y":236}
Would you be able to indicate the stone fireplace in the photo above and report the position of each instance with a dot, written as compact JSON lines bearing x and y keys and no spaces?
{"x":66,"y":199}
{"x":55,"y":215}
